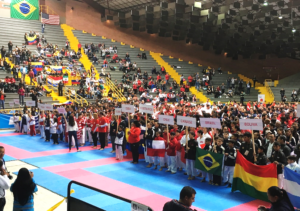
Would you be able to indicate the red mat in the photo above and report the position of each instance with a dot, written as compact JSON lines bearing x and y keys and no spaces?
{"x":11,"y":134}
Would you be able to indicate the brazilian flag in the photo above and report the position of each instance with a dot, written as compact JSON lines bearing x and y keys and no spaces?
{"x":209,"y":161}
{"x":24,"y":9}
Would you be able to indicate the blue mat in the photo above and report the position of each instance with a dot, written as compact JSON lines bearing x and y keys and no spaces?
{"x":67,"y":158}
{"x":9,"y":158}
{"x":32,"y":144}
{"x":170,"y":185}
{"x":5,"y":132}
{"x":59,"y":184}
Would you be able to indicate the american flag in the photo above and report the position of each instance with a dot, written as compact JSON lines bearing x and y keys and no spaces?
{"x":50,"y":19}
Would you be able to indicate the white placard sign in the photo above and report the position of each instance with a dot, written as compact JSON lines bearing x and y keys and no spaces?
{"x":48,"y":107}
{"x":16,"y":101}
{"x":164,"y":119}
{"x":261,"y":98}
{"x":186,"y":121}
{"x":138,"y":207}
{"x":251,"y":124}
{"x":11,"y":104}
{"x":41,"y":106}
{"x":127,"y":108}
{"x":61,"y":110}
{"x":30,"y":103}
{"x":148,"y":109}
{"x":210,"y":122}
{"x":118,"y":111}
{"x":298,"y":110}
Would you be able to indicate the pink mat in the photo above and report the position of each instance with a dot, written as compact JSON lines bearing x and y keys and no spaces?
{"x":23,"y":154}
{"x":155,"y":201}
{"x":250,"y":206}
{"x":10,"y":134}
{"x":84,"y":164}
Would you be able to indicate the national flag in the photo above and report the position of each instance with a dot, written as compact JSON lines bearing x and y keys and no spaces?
{"x":253,"y":180}
{"x":37,"y":65}
{"x":53,"y":80}
{"x":75,"y":82}
{"x":65,"y":79}
{"x":24,"y":9}
{"x":291,"y":184}
{"x":57,"y":69}
{"x":31,"y":40}
{"x":210,"y":162}
{"x":50,"y":19}
{"x":142,"y":141}
{"x":156,"y":148}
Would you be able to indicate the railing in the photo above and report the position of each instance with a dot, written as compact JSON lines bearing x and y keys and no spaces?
{"x":118,"y":94}
{"x":67,"y":93}
{"x":75,"y":204}
{"x":267,"y":86}
{"x":269,"y":82}
{"x":47,"y":10}
{"x":10,"y":110}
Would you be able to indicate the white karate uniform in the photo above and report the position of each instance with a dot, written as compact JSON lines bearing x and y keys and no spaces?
{"x":119,"y":143}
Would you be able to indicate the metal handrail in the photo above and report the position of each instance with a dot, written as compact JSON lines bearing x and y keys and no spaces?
{"x":115,"y":90}
{"x":97,"y":190}
{"x":269,"y":90}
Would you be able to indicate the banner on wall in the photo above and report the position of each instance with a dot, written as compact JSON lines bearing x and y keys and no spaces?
{"x":24,"y":9}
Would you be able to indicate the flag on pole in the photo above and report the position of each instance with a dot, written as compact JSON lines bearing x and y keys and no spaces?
{"x":65,"y":79}
{"x":156,"y":148}
{"x":253,"y":180}
{"x":37,"y":65}
{"x":291,"y":184}
{"x":50,"y":19}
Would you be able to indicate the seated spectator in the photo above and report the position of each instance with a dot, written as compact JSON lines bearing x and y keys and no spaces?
{"x":105,"y":63}
{"x":230,"y":93}
{"x":163,"y":70}
{"x":153,"y":71}
{"x":209,"y":90}
{"x":127,"y":57}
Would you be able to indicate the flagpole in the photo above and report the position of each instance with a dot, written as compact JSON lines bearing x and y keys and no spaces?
{"x":146,"y":125}
{"x":254,"y":152}
{"x":186,"y":139}
{"x":129,"y":120}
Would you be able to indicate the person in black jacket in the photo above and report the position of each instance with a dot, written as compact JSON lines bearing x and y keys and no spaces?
{"x":229,"y":163}
{"x":279,"y":199}
{"x":297,"y":152}
{"x":285,"y":149}
{"x":279,"y":159}
{"x":261,"y":158}
{"x":187,"y":197}
{"x":113,"y":132}
{"x":60,"y":88}
{"x":190,"y":156}
{"x":247,"y":147}
{"x":218,"y":148}
{"x":148,"y":137}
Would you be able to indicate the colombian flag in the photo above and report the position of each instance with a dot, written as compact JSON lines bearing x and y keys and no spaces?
{"x":253,"y":180}
{"x":24,"y":9}
{"x":31,"y":40}
{"x":37,"y":65}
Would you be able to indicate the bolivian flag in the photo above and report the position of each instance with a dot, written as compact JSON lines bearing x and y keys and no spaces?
{"x":253,"y":180}
{"x":209,"y":161}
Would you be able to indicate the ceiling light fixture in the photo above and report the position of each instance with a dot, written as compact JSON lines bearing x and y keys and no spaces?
{"x":265,"y":3}
{"x":280,"y":17}
{"x":293,"y":30}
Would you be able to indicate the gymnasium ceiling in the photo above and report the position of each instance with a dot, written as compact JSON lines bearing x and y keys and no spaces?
{"x":237,"y":27}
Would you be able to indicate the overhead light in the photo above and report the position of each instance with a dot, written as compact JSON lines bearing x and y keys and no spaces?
{"x":265,"y":3}
{"x":280,"y":17}
{"x":293,"y":30}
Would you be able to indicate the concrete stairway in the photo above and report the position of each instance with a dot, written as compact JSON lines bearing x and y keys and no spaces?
{"x":13,"y":30}
{"x":190,"y":69}
{"x":288,"y":84}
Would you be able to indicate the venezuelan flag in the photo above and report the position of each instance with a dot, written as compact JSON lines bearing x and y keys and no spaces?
{"x":253,"y":180}
{"x":31,"y":40}
{"x":75,"y":82}
{"x":37,"y":65}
